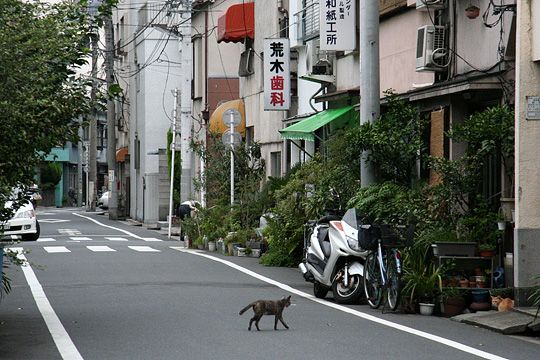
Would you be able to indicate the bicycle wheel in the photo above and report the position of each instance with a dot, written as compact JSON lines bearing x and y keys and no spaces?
{"x":372,"y":283}
{"x":393,"y":289}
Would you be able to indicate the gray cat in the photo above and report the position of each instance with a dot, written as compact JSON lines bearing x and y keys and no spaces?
{"x":268,"y":307}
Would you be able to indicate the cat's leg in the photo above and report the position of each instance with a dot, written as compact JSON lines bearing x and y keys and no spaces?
{"x":257,"y":318}
{"x":251,"y":322}
{"x":282,"y":321}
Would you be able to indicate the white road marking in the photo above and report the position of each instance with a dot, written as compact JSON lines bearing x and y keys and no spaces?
{"x":407,"y":329}
{"x":69,"y":231}
{"x":100,"y":248}
{"x":61,"y":338}
{"x":56,"y":249}
{"x":52,"y":221}
{"x":45,"y":239}
{"x":151,"y":239}
{"x":108,"y":226}
{"x":80,"y":238}
{"x":143,"y":249}
{"x":116,"y":238}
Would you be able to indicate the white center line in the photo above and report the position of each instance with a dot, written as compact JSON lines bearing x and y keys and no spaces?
{"x":56,"y":249}
{"x":143,"y":249}
{"x":61,"y":338}
{"x":407,"y":329}
{"x":80,"y":238}
{"x":108,"y":226}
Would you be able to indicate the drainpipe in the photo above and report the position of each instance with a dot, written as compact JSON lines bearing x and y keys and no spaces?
{"x":285,"y":14}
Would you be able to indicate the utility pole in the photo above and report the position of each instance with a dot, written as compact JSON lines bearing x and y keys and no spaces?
{"x":92,"y":132}
{"x":111,"y":119}
{"x":369,"y":77}
{"x":186,"y":121}
{"x":173,"y":151}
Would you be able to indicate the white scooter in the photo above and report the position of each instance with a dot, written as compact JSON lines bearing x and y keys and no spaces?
{"x":333,"y":258}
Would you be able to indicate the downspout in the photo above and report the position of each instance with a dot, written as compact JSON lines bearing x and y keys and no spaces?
{"x":285,"y":14}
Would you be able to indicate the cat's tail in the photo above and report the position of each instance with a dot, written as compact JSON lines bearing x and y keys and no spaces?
{"x":245,"y":309}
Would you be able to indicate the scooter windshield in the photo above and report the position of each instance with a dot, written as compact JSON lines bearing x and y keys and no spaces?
{"x":350,"y":218}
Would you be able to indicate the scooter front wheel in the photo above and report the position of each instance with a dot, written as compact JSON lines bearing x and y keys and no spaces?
{"x":347,"y":293}
{"x":319,"y":290}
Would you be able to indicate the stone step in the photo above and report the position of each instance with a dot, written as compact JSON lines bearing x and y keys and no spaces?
{"x":506,"y":322}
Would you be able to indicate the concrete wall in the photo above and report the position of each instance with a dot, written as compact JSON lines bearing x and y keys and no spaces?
{"x":266,"y":123}
{"x":527,"y":162}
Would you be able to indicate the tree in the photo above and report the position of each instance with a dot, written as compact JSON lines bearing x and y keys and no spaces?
{"x":41,"y":48}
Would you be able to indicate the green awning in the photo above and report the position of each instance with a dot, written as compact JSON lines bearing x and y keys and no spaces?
{"x":305,"y":129}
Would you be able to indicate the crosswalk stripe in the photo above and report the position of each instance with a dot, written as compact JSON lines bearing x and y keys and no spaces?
{"x":116,"y":238}
{"x":100,"y":248}
{"x":143,"y":249}
{"x":80,"y":238}
{"x":151,"y":239}
{"x":56,"y":249}
{"x":45,"y":239}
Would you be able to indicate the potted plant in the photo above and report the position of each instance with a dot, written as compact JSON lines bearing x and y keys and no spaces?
{"x":452,"y":302}
{"x":447,"y":243}
{"x":422,"y":278}
{"x":486,"y":249}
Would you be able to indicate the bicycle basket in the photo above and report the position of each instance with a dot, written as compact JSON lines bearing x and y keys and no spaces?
{"x":368,"y":236}
{"x":396,"y":237}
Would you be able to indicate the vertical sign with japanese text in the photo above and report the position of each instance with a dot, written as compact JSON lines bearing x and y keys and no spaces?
{"x":338,"y":25}
{"x":277,"y":78}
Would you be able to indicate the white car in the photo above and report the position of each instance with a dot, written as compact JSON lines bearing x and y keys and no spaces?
{"x":103,"y":201}
{"x":24,"y":223}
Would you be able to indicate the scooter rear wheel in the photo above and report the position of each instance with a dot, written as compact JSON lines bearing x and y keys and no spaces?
{"x":319,"y":290}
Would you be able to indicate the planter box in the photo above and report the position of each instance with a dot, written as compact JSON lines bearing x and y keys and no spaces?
{"x":466,"y":249}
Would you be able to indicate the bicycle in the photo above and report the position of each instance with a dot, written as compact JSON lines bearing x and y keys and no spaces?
{"x":382,"y":268}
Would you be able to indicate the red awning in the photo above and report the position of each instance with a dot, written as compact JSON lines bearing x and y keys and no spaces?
{"x":237,"y":24}
{"x":121,"y":154}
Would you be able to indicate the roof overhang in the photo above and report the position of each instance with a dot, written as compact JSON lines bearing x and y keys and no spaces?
{"x":305,"y":129}
{"x":237,"y":24}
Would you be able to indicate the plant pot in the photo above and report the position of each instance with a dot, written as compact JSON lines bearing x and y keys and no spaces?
{"x":463,"y":283}
{"x":211,"y":246}
{"x":486,"y":253}
{"x":426,"y":309}
{"x":501,"y":225}
{"x":453,"y":306}
{"x":480,"y":296}
{"x":240,"y":251}
{"x":454,"y":249}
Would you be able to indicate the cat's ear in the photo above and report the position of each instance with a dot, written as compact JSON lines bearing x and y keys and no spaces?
{"x":289,"y":297}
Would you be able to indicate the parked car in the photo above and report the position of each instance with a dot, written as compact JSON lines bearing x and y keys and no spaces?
{"x":23,"y":223}
{"x":103,"y":201}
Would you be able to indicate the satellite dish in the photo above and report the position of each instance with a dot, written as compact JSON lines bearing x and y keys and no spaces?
{"x":231,"y":116}
{"x":236,"y":138}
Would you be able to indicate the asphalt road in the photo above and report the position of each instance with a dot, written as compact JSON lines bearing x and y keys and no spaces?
{"x":107,"y":290}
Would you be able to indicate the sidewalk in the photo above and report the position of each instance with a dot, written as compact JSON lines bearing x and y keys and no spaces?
{"x":516,"y":321}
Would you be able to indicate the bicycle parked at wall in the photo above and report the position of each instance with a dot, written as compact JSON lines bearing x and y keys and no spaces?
{"x":383,"y":267}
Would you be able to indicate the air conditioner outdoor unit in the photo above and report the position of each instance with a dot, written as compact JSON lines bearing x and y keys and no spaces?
{"x":426,"y":5}
{"x":431,"y":52}
{"x":317,"y":62}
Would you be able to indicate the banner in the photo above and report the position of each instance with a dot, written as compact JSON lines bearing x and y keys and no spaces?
{"x":338,"y":24}
{"x":277,"y":77}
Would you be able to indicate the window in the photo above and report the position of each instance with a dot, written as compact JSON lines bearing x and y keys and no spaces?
{"x":249,"y":135}
{"x":275,"y":164}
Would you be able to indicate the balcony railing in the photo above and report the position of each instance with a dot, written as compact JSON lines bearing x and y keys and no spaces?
{"x":307,"y":21}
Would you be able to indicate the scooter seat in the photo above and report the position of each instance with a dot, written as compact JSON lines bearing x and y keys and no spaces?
{"x":326,"y":248}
